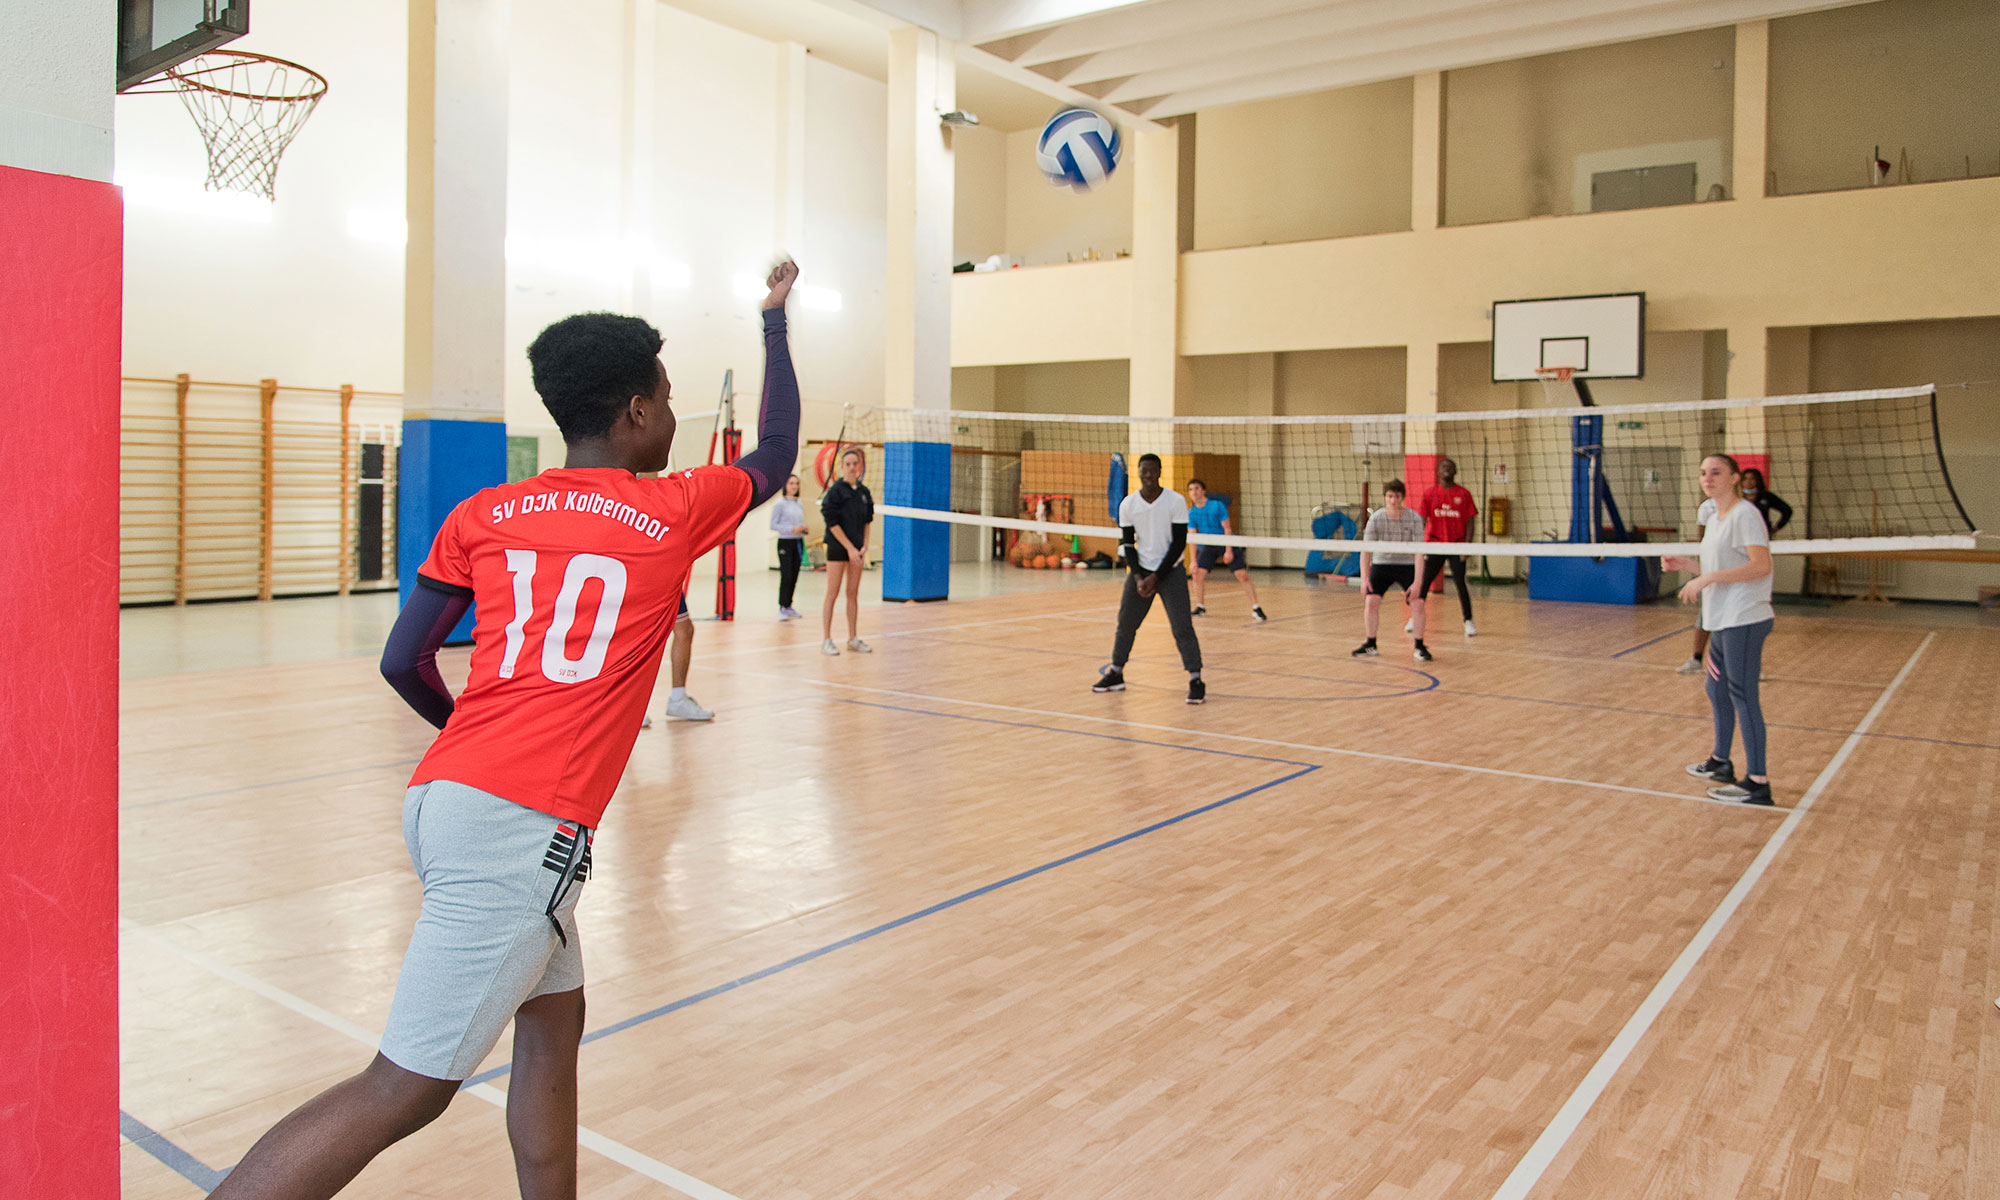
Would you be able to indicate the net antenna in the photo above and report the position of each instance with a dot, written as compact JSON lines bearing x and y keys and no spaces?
{"x":248,"y":107}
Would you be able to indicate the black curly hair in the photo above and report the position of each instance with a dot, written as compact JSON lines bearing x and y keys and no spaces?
{"x":589,"y":366}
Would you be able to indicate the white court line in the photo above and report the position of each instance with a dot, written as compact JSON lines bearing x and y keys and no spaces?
{"x":1529,"y":1171}
{"x":1238,"y":737}
{"x":615,"y":1151}
{"x":883,"y":636}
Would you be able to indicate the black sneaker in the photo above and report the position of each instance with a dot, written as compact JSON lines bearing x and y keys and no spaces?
{"x":1257,"y":610}
{"x":1422,"y":653}
{"x":1198,"y":693}
{"x":1365,"y":650}
{"x":1200,"y":610}
{"x":1715,"y":770}
{"x":1747,"y":792}
{"x":1109,"y":679}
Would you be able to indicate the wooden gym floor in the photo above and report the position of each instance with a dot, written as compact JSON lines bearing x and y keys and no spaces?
{"x":939,"y":922}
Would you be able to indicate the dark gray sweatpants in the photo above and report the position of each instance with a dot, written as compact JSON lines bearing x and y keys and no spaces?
{"x":1132,"y":610}
{"x":1735,"y":659}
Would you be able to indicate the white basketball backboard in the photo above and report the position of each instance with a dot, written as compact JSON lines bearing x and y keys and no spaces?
{"x":1601,"y":337}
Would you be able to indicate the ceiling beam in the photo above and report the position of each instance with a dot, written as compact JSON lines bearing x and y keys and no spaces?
{"x":1165,"y":19}
{"x":1014,"y":73}
{"x":1657,"y":19}
{"x":1328,"y":20}
{"x":992,"y":20}
{"x":942,"y":17}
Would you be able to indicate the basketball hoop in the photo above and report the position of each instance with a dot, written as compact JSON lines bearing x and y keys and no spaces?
{"x":1556,"y":383}
{"x":248,"y":107}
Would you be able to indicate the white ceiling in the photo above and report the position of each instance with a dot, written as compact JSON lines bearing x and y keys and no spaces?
{"x":1150,"y":59}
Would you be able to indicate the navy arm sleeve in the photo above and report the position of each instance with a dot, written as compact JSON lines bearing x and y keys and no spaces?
{"x":409,"y":660}
{"x":1176,"y":546}
{"x":778,"y":423}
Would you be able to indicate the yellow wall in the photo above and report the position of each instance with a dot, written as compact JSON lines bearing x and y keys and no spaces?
{"x":979,"y":194}
{"x":1915,"y":75}
{"x":1514,"y":131}
{"x":1339,"y":166}
{"x":1880,"y":254}
{"x":1042,"y":314}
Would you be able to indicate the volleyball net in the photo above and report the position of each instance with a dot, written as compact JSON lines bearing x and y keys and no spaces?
{"x":1861,"y":471}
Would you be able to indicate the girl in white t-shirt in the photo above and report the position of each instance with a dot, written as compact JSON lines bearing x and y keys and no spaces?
{"x":1733,"y":584}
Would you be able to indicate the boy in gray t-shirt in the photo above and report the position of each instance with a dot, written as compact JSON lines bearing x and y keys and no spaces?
{"x":1385,"y":569}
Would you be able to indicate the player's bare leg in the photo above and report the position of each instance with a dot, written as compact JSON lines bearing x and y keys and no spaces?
{"x":1371,"y":614}
{"x":836,"y":575}
{"x":541,"y":1095}
{"x":325,"y":1142}
{"x":1199,"y":587}
{"x":854,"y":600}
{"x":1243,"y":577}
{"x":682,"y":654}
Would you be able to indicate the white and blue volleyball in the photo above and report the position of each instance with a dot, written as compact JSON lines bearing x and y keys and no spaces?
{"x":1078,"y":149}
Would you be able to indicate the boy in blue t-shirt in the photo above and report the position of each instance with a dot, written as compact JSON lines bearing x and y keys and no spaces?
{"x":1208,"y":514}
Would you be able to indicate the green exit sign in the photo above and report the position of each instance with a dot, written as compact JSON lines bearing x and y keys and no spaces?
{"x":1631,"y":424}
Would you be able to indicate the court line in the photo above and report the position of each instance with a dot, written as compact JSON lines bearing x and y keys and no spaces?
{"x":1257,"y":741}
{"x":624,"y":1155}
{"x":155,"y":1143}
{"x":749,"y":651}
{"x":1528,"y":1172}
{"x":940,"y":906}
{"x":1167,"y":656}
{"x":1654,"y":642}
{"x":1111,"y":737}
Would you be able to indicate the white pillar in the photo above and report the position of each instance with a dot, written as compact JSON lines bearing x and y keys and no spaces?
{"x":455,"y":269}
{"x":917,"y":316}
{"x":790,"y":209}
{"x":1427,"y":150}
{"x":637,"y":149}
{"x":1751,"y":135}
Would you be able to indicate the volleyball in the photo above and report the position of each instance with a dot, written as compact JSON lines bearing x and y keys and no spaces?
{"x":1078,"y":149}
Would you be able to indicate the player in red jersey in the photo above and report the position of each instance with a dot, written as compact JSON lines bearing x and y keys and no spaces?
{"x":578,"y":574}
{"x":1447,"y":510}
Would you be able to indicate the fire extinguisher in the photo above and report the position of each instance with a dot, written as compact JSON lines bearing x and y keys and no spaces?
{"x":1496,"y":516}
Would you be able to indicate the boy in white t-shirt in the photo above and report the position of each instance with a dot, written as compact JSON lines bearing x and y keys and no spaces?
{"x":1154,"y":522}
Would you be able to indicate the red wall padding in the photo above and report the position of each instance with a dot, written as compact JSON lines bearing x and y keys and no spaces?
{"x":61,"y":273}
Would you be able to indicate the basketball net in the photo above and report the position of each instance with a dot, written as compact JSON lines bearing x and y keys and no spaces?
{"x":1556,"y":387}
{"x":248,"y":107}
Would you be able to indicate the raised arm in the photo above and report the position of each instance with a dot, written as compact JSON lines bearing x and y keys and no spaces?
{"x":409,"y":659}
{"x":778,"y":419}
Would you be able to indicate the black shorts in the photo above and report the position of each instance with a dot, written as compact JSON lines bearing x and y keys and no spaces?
{"x":1209,"y":558}
{"x":1383,"y":576}
{"x":835,"y":552}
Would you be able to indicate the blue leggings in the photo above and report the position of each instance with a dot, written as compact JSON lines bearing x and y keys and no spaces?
{"x":1735,"y":659}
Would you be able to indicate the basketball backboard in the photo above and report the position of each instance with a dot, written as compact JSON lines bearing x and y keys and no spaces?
{"x":1601,"y":337}
{"x":156,"y":34}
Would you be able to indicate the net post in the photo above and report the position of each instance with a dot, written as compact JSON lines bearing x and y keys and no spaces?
{"x":916,"y":555}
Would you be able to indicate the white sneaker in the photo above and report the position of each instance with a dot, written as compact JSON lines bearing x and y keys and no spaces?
{"x":788,"y":614}
{"x":686,"y":709}
{"x":859,"y":646}
{"x":645,"y":724}
{"x":1691,"y":667}
{"x":1470,"y":631}
{"x":1410,"y":626}
{"x":829,"y":647}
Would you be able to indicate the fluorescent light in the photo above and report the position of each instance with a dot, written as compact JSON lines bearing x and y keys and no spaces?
{"x":823,"y":299}
{"x":745,"y":286}
{"x":191,"y":199}
{"x":671,"y":273}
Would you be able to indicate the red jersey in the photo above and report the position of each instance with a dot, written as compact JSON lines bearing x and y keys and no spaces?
{"x":575,"y":575}
{"x":1447,"y":513}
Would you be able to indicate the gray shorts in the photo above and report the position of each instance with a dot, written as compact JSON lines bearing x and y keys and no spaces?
{"x":484,"y":944}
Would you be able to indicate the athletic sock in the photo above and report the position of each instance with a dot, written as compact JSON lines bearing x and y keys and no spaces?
{"x":675,"y":695}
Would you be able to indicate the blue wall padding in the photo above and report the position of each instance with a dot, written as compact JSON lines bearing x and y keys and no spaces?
{"x":916,"y":555}
{"x":442,"y":463}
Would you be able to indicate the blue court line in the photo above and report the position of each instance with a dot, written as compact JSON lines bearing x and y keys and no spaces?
{"x":258,"y":787}
{"x":899,"y":922}
{"x":186,"y":1165}
{"x":1656,"y":641}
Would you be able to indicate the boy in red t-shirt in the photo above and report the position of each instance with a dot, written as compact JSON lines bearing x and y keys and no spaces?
{"x":1447,"y":510}
{"x":578,"y":574}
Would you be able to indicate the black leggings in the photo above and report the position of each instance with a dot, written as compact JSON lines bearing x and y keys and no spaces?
{"x":1434,"y":565}
{"x":789,"y":552}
